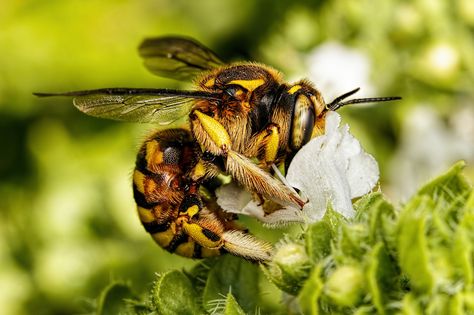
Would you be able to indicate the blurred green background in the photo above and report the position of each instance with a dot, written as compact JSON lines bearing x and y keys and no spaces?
{"x":68,"y":225}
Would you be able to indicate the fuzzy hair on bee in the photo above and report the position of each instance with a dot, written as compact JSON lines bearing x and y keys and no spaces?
{"x":242,"y":121}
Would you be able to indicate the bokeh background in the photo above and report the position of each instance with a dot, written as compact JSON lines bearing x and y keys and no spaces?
{"x":67,"y":220}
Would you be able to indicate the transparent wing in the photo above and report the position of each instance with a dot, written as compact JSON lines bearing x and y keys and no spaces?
{"x":161,"y":106}
{"x":177,"y":57}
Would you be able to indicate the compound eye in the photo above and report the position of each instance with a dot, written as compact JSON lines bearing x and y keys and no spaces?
{"x":303,"y":122}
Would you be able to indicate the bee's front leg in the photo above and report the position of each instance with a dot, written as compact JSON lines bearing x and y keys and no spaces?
{"x":214,"y":138}
{"x":264,"y":145}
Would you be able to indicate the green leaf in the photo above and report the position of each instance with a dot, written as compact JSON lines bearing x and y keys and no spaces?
{"x":410,"y":305}
{"x":467,"y":220}
{"x":319,"y":235}
{"x":382,"y":277}
{"x":199,"y":272}
{"x":412,"y":244}
{"x":456,"y":306}
{"x":232,"y":307}
{"x":462,"y":256}
{"x":351,"y":238}
{"x":448,"y":185}
{"x":318,"y":239}
{"x":309,"y":295}
{"x":233,"y":275}
{"x":438,"y":304}
{"x":364,"y":310}
{"x":173,"y":293}
{"x":465,"y":240}
{"x":468,"y":300}
{"x":446,"y":304}
{"x":112,"y":299}
{"x":380,"y":215}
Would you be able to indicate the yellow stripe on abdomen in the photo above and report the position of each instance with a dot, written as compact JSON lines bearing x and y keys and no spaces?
{"x":145,"y":215}
{"x":164,"y":238}
{"x":186,"y":249}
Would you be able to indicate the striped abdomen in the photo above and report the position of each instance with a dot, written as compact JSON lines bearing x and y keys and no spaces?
{"x":160,"y":184}
{"x":166,"y":185}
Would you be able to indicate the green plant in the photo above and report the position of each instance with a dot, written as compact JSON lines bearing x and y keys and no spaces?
{"x":415,"y":259}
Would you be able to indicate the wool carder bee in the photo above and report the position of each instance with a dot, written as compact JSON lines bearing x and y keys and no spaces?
{"x":242,"y":118}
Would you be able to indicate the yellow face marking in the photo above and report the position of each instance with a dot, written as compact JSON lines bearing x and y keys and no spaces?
{"x":210,"y":83}
{"x":271,"y":148}
{"x":294,"y":89}
{"x":153,"y":153}
{"x":249,"y":85}
{"x":214,"y":129}
{"x":139,"y":181}
{"x":145,"y":215}
{"x":164,"y":238}
{"x":185,"y":249}
{"x":319,"y":126}
{"x":196,"y":232}
{"x":320,"y":106}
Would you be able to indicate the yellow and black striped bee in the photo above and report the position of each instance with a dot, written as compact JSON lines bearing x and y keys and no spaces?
{"x":242,"y":118}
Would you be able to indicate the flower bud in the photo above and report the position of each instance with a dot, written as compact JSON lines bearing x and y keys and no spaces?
{"x":345,"y":286}
{"x":289,"y":268}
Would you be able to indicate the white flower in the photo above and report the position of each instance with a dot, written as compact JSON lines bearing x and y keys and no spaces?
{"x":335,"y":68}
{"x":331,"y":169}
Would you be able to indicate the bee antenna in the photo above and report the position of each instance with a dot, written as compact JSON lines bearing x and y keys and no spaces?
{"x":337,"y":102}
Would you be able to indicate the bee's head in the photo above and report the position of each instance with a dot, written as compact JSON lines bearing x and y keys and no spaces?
{"x":309,"y":109}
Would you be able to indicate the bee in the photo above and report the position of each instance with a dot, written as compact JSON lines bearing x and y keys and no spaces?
{"x":241,"y":118}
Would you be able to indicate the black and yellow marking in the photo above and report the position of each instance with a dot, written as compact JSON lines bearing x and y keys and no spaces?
{"x":154,"y":154}
{"x":213,"y":237}
{"x":199,"y":171}
{"x":145,"y":215}
{"x":186,"y":249}
{"x":202,"y":235}
{"x":141,"y":164}
{"x":155,"y":227}
{"x":152,"y":168}
{"x":271,"y":144}
{"x":295,"y":88}
{"x":249,"y":85}
{"x":177,"y":240}
{"x":191,"y":205}
{"x":165,"y":238}
{"x":140,"y":199}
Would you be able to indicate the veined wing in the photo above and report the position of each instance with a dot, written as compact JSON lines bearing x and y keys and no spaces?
{"x":161,"y":106}
{"x":177,"y":57}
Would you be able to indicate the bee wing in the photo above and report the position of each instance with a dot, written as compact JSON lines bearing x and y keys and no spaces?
{"x":161,"y":106}
{"x":177,"y":57}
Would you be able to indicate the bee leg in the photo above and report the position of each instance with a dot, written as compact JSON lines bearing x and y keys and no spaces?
{"x":236,"y":242}
{"x":264,"y":145}
{"x":214,"y":232}
{"x":246,"y":245}
{"x":214,"y":137}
